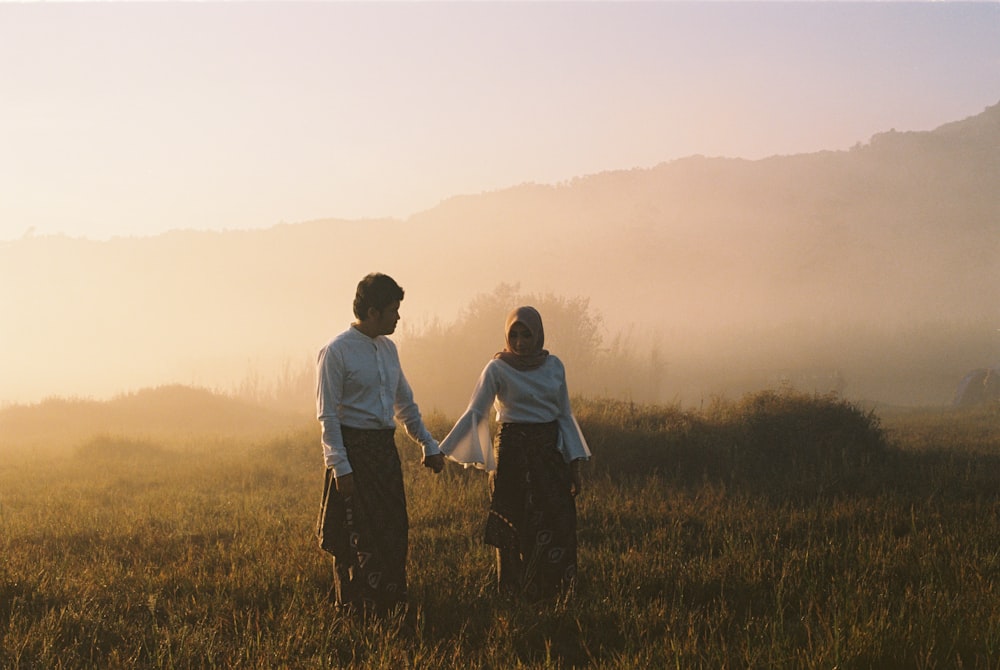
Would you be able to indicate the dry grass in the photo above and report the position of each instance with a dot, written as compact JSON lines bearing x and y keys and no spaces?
{"x":780,"y":531}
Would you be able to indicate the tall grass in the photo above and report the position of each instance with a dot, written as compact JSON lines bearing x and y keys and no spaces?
{"x":779,"y":531}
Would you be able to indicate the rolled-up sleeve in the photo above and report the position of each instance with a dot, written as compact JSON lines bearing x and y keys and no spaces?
{"x":408,"y":414}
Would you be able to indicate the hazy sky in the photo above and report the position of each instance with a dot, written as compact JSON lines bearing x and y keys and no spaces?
{"x":132,"y":119}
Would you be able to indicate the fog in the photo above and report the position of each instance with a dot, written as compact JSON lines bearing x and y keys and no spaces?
{"x":871,"y":272}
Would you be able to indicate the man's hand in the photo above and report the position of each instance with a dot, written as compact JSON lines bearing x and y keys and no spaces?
{"x":434,"y":462}
{"x":345,"y":485}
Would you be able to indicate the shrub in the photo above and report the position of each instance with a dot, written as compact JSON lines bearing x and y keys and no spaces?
{"x":767,"y":440}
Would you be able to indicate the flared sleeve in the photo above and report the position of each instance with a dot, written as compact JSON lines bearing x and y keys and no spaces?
{"x":572,"y":443}
{"x":469,"y":441}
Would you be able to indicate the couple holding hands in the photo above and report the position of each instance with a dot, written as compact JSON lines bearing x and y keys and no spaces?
{"x":533,"y":461}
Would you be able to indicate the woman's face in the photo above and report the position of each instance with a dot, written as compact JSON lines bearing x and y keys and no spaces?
{"x":520,"y":339}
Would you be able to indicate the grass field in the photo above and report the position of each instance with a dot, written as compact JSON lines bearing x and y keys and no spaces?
{"x":778,"y":531}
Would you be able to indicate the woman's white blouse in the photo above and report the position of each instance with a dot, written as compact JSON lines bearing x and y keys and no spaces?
{"x":528,"y":396}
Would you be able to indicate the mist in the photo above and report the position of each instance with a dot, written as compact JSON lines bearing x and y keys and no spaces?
{"x":872,"y":273}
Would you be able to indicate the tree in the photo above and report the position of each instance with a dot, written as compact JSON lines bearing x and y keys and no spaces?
{"x":443,"y":361}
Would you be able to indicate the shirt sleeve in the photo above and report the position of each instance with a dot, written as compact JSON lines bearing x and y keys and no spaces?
{"x":408,"y":414}
{"x":329,"y":393}
{"x":572,"y":444}
{"x":469,"y":442}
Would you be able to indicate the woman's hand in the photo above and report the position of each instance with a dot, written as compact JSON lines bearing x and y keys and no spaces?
{"x":576,"y":484}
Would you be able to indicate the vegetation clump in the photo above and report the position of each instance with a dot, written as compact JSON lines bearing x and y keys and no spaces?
{"x":778,"y":440}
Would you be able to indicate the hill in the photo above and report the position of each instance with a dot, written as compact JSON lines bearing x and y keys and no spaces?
{"x":167,"y":415}
{"x":875,"y":266}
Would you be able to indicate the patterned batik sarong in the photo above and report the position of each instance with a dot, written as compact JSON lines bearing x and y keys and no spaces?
{"x":532,"y":519}
{"x":367,"y":533}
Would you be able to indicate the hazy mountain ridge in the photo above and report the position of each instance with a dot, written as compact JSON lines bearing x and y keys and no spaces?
{"x":900,"y":230}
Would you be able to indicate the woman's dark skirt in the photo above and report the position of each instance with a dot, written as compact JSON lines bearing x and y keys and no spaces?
{"x":532,"y":519}
{"x":367,"y":534}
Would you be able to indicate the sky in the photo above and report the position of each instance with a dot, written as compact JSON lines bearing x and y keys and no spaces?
{"x":131,"y":119}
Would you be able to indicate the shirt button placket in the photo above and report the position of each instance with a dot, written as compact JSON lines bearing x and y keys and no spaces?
{"x":382,"y":377}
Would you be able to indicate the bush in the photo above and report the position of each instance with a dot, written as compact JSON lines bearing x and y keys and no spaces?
{"x":791,"y":437}
{"x":767,"y":440}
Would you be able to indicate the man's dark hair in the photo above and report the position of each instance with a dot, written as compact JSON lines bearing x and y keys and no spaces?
{"x":376,"y":290}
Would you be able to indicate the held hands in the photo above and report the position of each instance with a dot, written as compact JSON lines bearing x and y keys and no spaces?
{"x":345,"y":483}
{"x":435,"y":462}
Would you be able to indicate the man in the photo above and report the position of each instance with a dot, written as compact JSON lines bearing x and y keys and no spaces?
{"x":361,"y":392}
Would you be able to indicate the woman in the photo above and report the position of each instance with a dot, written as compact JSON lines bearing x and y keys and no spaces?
{"x":535,"y":474}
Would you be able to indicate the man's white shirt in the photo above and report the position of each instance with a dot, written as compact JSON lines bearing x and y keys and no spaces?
{"x":360,"y":384}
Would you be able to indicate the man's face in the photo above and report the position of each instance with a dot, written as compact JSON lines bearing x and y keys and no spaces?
{"x":385,"y":320}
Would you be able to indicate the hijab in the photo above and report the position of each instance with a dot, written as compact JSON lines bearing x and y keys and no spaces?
{"x":532,"y":320}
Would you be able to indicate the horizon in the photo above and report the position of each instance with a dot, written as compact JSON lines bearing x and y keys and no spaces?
{"x":150,"y":118}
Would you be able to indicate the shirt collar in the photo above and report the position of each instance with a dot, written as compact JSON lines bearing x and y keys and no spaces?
{"x":358,"y":335}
